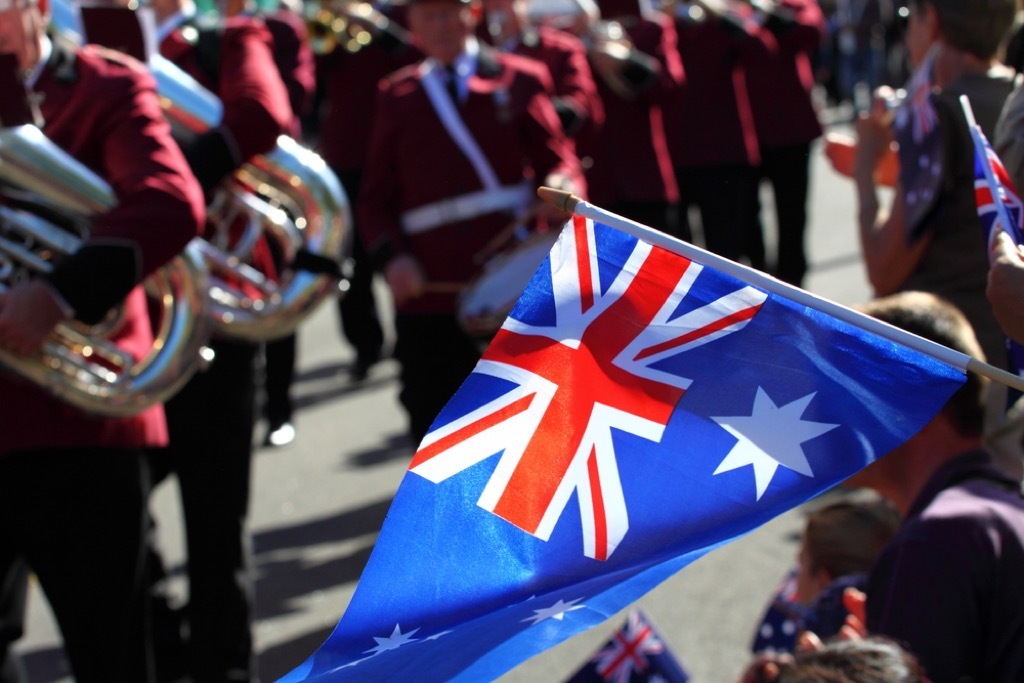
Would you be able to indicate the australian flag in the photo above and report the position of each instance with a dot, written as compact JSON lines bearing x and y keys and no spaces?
{"x":916,"y":129}
{"x":783,"y":620}
{"x":999,"y":208}
{"x":636,"y":410}
{"x":636,"y":653}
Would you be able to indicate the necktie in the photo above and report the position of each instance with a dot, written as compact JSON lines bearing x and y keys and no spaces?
{"x":453,"y":84}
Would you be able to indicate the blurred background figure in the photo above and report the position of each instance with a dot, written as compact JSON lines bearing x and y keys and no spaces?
{"x":212,"y":419}
{"x":633,"y":53}
{"x":860,"y":48}
{"x":712,"y":140}
{"x":929,"y":237}
{"x":349,"y":67}
{"x":294,"y":60}
{"x":786,"y":123}
{"x":545,"y":32}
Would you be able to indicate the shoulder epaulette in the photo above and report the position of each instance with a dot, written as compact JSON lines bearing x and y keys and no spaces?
{"x":114,"y":57}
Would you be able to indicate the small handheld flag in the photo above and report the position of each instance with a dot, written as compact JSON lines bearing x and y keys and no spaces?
{"x":782,"y":620}
{"x":999,"y":208}
{"x":636,"y":653}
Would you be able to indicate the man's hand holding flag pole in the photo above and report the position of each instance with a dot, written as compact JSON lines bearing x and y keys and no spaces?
{"x":644,"y":402}
{"x":1000,"y":212}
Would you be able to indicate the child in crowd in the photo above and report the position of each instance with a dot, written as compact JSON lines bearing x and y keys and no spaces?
{"x":840,"y":543}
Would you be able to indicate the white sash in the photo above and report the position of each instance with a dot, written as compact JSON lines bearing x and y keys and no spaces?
{"x":433,"y":77}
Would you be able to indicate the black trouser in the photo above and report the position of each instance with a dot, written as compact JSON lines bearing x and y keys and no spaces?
{"x":360,"y":321}
{"x":788,"y":170}
{"x":13,"y":602}
{"x":211,"y":424}
{"x":279,"y":373}
{"x":78,"y":517}
{"x":435,"y":355}
{"x":723,"y":195}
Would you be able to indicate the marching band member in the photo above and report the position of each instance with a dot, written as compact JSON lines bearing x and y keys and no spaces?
{"x":293,"y":56}
{"x":637,"y":72}
{"x":506,"y":24}
{"x":427,"y":210}
{"x":711,"y":134}
{"x":211,"y":420}
{"x":349,"y":80}
{"x":786,"y":124}
{"x":72,"y":486}
{"x":295,"y":64}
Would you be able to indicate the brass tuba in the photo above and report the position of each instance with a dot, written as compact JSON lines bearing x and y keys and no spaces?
{"x":288,"y":195}
{"x":347,"y":25}
{"x":77,"y":363}
{"x":291,"y":196}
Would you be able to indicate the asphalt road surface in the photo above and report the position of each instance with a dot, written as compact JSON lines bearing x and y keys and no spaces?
{"x":318,"y":504}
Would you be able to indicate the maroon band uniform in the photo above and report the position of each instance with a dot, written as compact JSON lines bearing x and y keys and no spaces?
{"x":85,"y":105}
{"x":710,"y":126}
{"x":632,"y":170}
{"x":72,"y":486}
{"x":576,"y":98}
{"x":423,"y":197}
{"x":211,"y":420}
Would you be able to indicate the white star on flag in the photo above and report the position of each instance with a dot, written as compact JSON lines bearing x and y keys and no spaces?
{"x":769,"y":437}
{"x":396,"y":640}
{"x":556,"y":611}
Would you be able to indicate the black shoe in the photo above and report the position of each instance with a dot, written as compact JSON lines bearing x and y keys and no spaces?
{"x":280,"y":434}
{"x":361,"y":367}
{"x":169,"y":640}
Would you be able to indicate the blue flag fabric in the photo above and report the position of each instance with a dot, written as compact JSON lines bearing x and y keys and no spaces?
{"x":635,"y":411}
{"x":636,"y":653}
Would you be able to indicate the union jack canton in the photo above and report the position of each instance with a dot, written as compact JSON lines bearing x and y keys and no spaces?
{"x":579,"y":379}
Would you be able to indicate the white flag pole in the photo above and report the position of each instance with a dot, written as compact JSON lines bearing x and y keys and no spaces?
{"x":571,"y":203}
